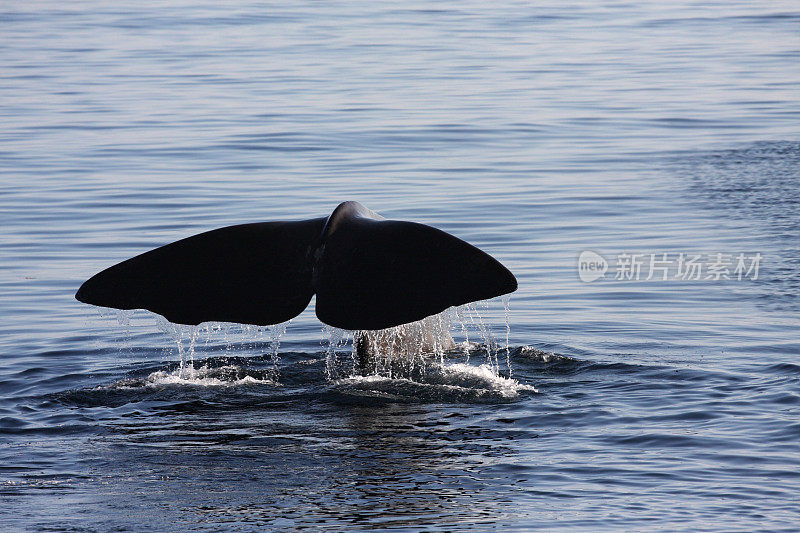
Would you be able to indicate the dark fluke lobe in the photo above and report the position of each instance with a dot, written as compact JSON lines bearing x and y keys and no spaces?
{"x":367,"y":272}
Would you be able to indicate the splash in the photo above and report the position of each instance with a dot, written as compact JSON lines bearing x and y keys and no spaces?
{"x":407,"y":350}
{"x":202,"y":376}
{"x":467,"y":335}
{"x":337,"y":339}
{"x":232,"y":340}
{"x":237,"y":339}
{"x":485,"y":377}
{"x":226,"y":376}
{"x":449,"y":382}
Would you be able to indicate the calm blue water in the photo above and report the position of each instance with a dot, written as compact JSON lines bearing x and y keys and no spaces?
{"x":534,"y":132}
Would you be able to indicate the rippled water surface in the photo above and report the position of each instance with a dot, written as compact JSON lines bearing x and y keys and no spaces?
{"x":533,"y":131}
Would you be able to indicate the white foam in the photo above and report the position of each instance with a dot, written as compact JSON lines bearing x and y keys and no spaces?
{"x":224,"y":376}
{"x":508,"y":387}
{"x":459,"y":378}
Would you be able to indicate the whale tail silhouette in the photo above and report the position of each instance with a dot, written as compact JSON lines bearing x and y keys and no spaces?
{"x":368,"y":273}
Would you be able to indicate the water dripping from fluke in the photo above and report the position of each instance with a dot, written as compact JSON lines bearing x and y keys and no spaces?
{"x":446,"y":354}
{"x":424,"y":360}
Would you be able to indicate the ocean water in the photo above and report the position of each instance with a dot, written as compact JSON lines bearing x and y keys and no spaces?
{"x":534,"y":131}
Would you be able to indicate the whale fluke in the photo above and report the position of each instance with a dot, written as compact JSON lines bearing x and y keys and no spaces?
{"x":250,"y":274}
{"x":368,"y":273}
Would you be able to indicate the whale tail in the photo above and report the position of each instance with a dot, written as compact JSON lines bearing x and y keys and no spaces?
{"x":367,"y":272}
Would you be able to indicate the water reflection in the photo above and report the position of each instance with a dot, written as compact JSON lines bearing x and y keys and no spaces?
{"x":397,"y":466}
